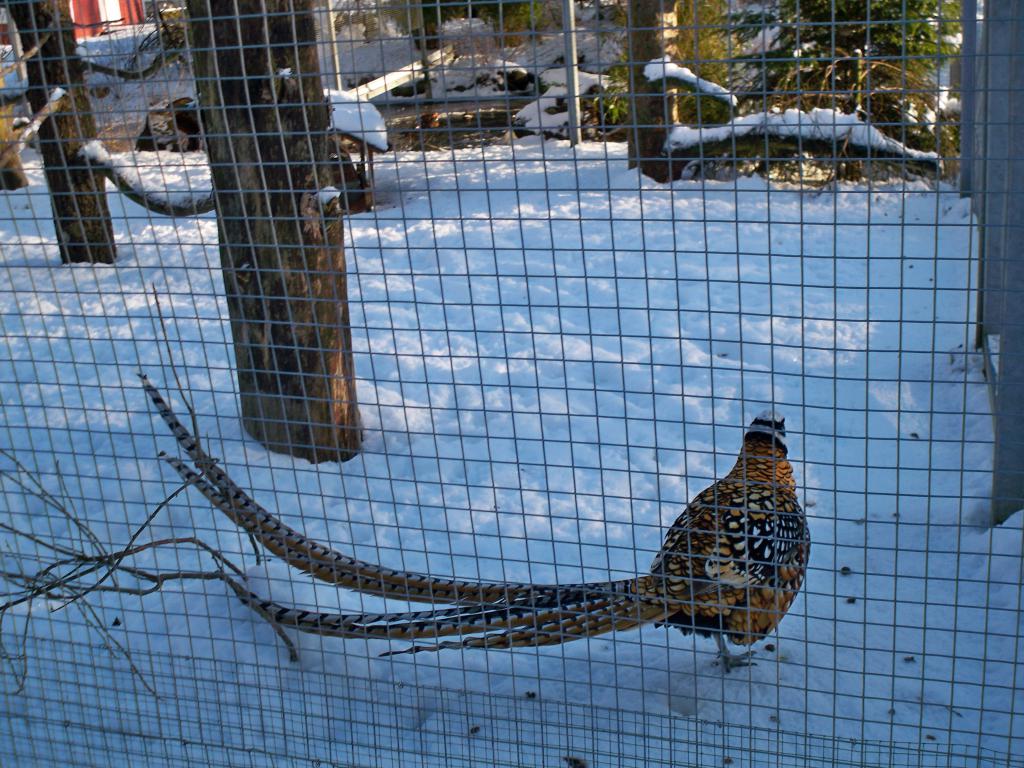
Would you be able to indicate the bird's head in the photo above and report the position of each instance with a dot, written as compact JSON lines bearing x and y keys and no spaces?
{"x":768,"y":427}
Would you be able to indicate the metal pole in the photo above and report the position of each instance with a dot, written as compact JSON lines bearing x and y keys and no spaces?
{"x":333,"y":37}
{"x":966,"y":90}
{"x":999,"y":186}
{"x":325,"y":44}
{"x":15,"y":37}
{"x":572,"y":74}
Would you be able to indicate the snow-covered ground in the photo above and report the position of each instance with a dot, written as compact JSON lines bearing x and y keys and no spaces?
{"x":552,"y":359}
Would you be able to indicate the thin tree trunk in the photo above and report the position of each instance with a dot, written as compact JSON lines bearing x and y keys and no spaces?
{"x":12,"y":175}
{"x":649,"y":103}
{"x":77,"y":193}
{"x":265,"y":122}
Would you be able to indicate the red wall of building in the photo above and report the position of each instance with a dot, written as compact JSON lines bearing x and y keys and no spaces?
{"x":89,"y":19}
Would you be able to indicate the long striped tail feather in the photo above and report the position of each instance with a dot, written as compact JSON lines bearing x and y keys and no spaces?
{"x":487,"y":614}
{"x":409,"y":625}
{"x":334,"y":567}
{"x":489,"y":626}
{"x":557,"y":627}
{"x":363,"y":577}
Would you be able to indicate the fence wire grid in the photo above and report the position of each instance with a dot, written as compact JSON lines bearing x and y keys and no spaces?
{"x":459,"y":306}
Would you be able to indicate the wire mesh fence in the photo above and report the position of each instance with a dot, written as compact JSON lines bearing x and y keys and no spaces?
{"x":441,"y":343}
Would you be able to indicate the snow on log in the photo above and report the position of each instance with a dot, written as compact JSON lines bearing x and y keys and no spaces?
{"x":550,"y":113}
{"x":589,"y":82}
{"x":167,"y":183}
{"x":96,"y":153}
{"x":358,"y":119}
{"x":328,"y":194}
{"x":666,"y":69}
{"x":819,"y":125}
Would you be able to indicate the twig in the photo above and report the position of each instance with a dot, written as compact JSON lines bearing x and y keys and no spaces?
{"x":64,"y":589}
{"x":204,"y":470}
{"x":13,"y":66}
{"x":134,"y":74}
{"x":20,"y":675}
{"x":68,"y":587}
{"x":74,"y":515}
{"x":89,"y":616}
{"x":36,"y":539}
{"x":40,"y":491}
{"x":124,"y":553}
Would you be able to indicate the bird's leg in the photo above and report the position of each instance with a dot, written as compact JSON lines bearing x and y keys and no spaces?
{"x":732,"y":660}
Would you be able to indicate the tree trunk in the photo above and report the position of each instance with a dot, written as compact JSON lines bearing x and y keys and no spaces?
{"x":12,"y":175}
{"x":265,"y":122}
{"x":77,"y":194}
{"x":649,"y":22}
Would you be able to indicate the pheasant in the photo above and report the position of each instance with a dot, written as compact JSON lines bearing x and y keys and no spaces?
{"x":730,"y":568}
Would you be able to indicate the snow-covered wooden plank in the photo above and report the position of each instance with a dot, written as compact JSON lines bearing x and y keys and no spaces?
{"x":404,"y":75}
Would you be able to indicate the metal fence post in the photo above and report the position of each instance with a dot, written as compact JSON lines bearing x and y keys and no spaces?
{"x":999,"y":205}
{"x":572,"y":72}
{"x":968,"y":92}
{"x":326,"y":44}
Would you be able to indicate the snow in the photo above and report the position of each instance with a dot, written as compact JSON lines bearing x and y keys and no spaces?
{"x":481,"y":70}
{"x":948,"y":105}
{"x":816,"y":125}
{"x":549,"y":114}
{"x":358,"y":119}
{"x":327,"y":194}
{"x":113,"y":48}
{"x":588,"y":81}
{"x":95,"y":152}
{"x":553,"y":358}
{"x":666,"y":69}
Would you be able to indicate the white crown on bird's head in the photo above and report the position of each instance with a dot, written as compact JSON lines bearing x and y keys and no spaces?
{"x":770,"y":423}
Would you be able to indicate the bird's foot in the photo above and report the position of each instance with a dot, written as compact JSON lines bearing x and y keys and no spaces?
{"x":733,"y":661}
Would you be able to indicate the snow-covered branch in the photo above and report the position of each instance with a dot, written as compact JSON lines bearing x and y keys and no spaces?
{"x":179,"y":184}
{"x":176,"y":185}
{"x":666,"y":69}
{"x":819,"y":126}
